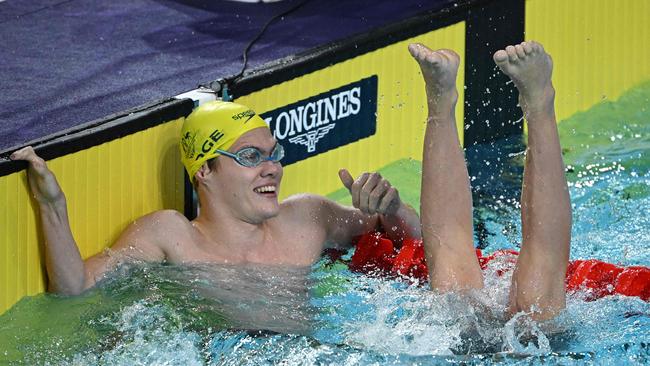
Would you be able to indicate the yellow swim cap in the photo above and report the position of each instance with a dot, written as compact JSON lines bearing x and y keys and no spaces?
{"x":211,"y":126}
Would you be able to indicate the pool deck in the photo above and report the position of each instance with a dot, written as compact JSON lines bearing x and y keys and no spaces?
{"x":66,"y":63}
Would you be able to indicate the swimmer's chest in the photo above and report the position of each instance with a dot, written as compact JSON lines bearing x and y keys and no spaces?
{"x":299,"y":246}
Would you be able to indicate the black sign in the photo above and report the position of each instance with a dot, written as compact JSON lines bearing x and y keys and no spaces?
{"x":325,"y":121}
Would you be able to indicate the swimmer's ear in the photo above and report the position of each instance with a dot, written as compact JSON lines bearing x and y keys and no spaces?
{"x":203,"y":172}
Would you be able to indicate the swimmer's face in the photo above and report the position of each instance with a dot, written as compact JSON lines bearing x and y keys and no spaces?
{"x":251,"y":193}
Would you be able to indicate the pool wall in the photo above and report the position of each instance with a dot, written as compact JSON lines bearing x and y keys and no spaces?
{"x":111,"y":174}
{"x":121,"y":167}
{"x":599,"y":48}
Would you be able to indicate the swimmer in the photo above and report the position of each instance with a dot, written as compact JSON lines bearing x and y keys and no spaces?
{"x":241,"y":220}
{"x":234,"y":164}
{"x":446,"y":203}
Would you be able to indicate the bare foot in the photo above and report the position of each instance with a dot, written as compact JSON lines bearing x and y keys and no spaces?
{"x":530,"y":68}
{"x":439,"y":69}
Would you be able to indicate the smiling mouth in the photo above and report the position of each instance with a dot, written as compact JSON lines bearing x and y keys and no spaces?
{"x":265,"y":190}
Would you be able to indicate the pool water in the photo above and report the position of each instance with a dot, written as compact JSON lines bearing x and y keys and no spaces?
{"x":171,"y":315}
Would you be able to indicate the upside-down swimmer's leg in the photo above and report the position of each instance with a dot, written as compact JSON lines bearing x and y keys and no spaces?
{"x":538,"y":281}
{"x":446,"y":200}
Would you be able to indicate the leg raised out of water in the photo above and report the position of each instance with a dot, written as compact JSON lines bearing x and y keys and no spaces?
{"x":439,"y":70}
{"x":530,"y":68}
{"x":446,"y":201}
{"x":538,"y":281}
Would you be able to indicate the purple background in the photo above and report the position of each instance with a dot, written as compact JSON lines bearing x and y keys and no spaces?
{"x":69,"y":62}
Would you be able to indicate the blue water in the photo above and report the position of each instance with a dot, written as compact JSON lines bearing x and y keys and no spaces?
{"x":168,"y":315}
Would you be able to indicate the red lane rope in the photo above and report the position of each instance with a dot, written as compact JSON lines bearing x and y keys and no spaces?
{"x":377,"y":254}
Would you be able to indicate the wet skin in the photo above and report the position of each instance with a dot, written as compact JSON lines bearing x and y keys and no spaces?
{"x":446,"y":205}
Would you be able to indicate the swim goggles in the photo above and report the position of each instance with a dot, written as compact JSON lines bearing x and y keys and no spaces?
{"x":251,"y":157}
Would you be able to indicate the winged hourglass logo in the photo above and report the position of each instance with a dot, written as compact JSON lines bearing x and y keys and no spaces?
{"x":310,"y":138}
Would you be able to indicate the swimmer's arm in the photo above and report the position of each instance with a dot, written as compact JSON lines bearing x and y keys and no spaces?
{"x":142,"y":241}
{"x":67,"y":272}
{"x":345,"y":222}
{"x":337,"y":224}
{"x":65,"y":267}
{"x":342,"y":223}
{"x":401,"y":224}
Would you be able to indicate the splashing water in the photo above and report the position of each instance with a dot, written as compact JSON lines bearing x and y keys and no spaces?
{"x":224,"y":315}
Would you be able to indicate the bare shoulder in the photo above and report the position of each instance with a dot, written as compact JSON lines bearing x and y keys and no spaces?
{"x":152,"y":234}
{"x":149,"y":238}
{"x":316,"y":209}
{"x":306,"y":203}
{"x":164,"y":218}
{"x":305,"y":199}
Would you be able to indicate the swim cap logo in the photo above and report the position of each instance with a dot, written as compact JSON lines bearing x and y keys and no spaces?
{"x":187,"y":143}
{"x":249,"y":113}
{"x":208,"y":144}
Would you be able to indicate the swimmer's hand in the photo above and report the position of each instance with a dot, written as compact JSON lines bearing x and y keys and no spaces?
{"x":371,"y":193}
{"x":45,"y":188}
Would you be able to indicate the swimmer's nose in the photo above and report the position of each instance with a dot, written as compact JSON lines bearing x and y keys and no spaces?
{"x":270,"y":168}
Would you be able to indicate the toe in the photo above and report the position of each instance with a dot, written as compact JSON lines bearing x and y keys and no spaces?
{"x":442,"y":56}
{"x":434,"y":58}
{"x":512,"y":54}
{"x":449,"y":54}
{"x":520,"y":51}
{"x":536,"y":47}
{"x":528,"y":48}
{"x":413,"y":49}
{"x":419,"y":51}
{"x":416,"y":49}
{"x":500,"y":56}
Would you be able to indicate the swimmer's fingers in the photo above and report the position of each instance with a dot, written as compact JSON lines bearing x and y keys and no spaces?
{"x":368,"y":201}
{"x":42,"y":181}
{"x":371,"y":193}
{"x":390,"y":201}
{"x":354,"y":186}
{"x":384,"y":198}
{"x":346,"y":178}
{"x":377,"y":195}
{"x":29,"y":155}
